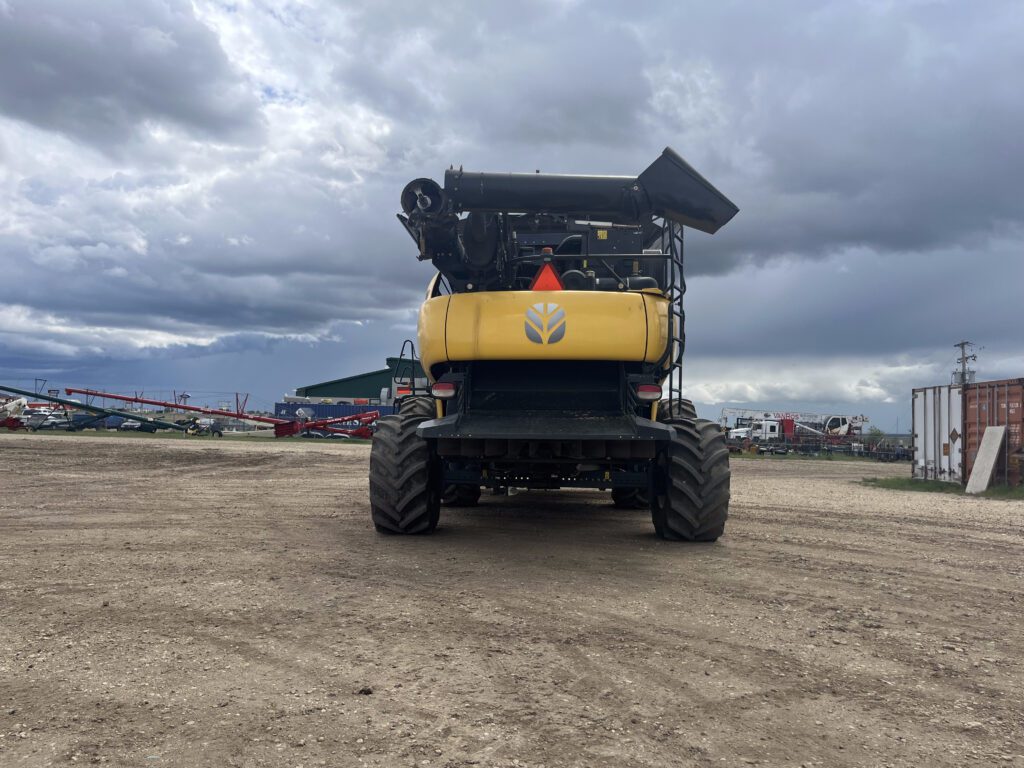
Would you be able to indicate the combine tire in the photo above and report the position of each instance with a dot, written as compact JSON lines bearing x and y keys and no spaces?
{"x":680,"y":409}
{"x":630,"y":498}
{"x":461,"y":496}
{"x":692,"y":502}
{"x":454,"y":495}
{"x":404,"y":495}
{"x":418,"y":406}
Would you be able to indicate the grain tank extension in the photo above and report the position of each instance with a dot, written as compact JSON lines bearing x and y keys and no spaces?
{"x":552,"y":336}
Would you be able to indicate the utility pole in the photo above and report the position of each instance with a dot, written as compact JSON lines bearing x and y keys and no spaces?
{"x":964,"y":359}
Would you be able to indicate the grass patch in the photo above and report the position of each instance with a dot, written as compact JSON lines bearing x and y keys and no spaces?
{"x":1004,"y":492}
{"x":937,"y":486}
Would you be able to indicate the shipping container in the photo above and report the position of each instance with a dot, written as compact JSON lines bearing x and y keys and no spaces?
{"x":937,"y":429}
{"x":995,"y":403}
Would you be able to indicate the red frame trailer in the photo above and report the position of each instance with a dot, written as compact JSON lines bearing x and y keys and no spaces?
{"x":282,"y":427}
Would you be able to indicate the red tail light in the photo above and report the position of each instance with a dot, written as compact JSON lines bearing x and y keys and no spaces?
{"x":648,"y":392}
{"x":443,"y":390}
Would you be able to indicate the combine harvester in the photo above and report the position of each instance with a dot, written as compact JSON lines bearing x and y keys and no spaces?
{"x":362,"y":429}
{"x":552,"y":337}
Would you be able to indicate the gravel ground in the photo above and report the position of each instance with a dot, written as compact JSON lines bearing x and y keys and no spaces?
{"x":200,"y":603}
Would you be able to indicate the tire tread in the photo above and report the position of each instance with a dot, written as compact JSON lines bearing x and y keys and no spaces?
{"x":695,"y":503}
{"x":403,"y":494}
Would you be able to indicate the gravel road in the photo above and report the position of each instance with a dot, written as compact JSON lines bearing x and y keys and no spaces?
{"x":201,"y":603}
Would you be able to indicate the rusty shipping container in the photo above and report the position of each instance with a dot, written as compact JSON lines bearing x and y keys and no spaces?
{"x":995,"y":403}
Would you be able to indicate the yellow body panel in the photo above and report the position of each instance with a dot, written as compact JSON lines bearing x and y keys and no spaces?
{"x":431,"y":333}
{"x":564,"y":325}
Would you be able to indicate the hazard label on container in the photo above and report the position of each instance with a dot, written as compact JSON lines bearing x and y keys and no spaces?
{"x":954,"y":435}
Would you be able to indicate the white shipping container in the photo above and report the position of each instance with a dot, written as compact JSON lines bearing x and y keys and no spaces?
{"x":938,"y":442}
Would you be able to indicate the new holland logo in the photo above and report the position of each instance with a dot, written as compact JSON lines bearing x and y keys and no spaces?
{"x":545,"y":323}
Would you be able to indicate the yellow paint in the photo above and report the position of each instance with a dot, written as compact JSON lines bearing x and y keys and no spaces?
{"x":431,"y":333}
{"x":656,"y":306}
{"x":599,"y":325}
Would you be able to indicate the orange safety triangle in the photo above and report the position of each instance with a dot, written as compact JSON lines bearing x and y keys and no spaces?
{"x":546,"y":279}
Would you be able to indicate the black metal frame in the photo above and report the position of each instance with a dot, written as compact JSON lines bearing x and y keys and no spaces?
{"x":674,"y":290}
{"x":410,"y":363}
{"x":476,"y":252}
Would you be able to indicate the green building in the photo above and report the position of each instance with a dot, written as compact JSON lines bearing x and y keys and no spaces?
{"x":365,"y":386}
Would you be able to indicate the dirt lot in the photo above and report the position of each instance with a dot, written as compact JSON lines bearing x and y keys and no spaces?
{"x":191,"y":603}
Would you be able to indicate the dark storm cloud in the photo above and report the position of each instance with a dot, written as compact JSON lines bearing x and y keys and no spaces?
{"x":260,"y":149}
{"x":888,"y":126}
{"x":97,"y":71}
{"x":833,"y":126}
{"x":864,"y":304}
{"x":530,"y":78}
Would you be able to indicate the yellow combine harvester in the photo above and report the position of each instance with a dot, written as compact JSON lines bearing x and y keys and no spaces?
{"x":552,"y":336}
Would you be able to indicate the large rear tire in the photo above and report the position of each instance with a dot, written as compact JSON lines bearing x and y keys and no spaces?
{"x":418,"y":406}
{"x":675,"y":410}
{"x":691,"y":502}
{"x":404,"y":489}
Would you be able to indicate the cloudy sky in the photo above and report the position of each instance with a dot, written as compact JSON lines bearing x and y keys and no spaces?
{"x":201,"y":194}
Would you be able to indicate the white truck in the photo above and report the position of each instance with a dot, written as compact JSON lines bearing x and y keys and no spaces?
{"x":772,"y":426}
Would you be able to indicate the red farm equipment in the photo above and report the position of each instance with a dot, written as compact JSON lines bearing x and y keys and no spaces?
{"x":357,"y":426}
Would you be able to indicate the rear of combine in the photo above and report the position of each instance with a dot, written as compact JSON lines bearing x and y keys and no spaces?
{"x":552,"y":336}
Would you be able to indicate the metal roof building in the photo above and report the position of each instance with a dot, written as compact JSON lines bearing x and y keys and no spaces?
{"x":363,"y":386}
